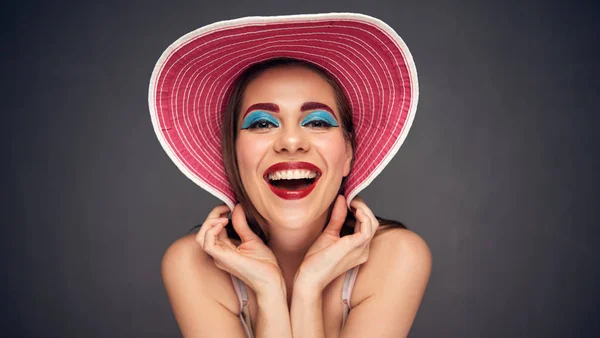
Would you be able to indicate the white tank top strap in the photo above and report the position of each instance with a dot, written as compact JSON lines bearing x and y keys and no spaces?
{"x":347,"y":292}
{"x":242,"y":294}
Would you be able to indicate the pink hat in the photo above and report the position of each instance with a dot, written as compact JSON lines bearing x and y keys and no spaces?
{"x":194,"y":75}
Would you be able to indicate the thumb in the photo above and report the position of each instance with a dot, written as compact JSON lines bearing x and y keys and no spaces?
{"x":238,"y":218}
{"x":338,"y":216}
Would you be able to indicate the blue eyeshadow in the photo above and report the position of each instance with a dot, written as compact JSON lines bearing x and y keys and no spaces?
{"x":258,"y":116}
{"x":320,"y":116}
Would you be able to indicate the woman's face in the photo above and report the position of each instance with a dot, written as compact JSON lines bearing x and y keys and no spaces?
{"x":291,"y":151}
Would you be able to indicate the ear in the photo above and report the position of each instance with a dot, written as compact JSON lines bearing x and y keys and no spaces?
{"x":348,"y":161}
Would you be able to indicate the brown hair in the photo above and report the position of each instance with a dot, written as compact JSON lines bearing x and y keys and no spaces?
{"x":229,"y":137}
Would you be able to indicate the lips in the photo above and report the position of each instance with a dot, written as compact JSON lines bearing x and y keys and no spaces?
{"x":292,"y":180}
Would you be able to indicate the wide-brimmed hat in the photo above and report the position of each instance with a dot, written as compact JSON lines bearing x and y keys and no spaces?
{"x":192,"y":79}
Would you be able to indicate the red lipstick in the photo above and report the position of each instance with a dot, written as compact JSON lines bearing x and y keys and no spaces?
{"x":292,"y":194}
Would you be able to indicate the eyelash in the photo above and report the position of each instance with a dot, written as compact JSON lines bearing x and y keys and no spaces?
{"x":324,"y":123}
{"x":256,"y":124}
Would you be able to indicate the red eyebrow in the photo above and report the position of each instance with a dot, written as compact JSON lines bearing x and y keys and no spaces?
{"x":316,"y":105}
{"x":272,"y":107}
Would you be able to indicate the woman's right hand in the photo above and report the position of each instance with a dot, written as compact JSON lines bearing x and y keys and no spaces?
{"x":251,"y":261}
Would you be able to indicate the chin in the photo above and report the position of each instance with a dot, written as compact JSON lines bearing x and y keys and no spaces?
{"x":292,"y":219}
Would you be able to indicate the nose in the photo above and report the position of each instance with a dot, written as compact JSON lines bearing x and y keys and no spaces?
{"x":292,"y":140}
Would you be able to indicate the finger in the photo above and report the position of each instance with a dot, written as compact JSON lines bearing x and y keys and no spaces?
{"x":359,"y":203}
{"x":224,"y":254}
{"x":218,"y":211}
{"x":365,"y":232}
{"x":359,"y":225}
{"x":238,"y":218}
{"x":225,"y":239}
{"x":338,"y":216}
{"x":374,"y":222}
{"x":355,"y":204}
{"x":223,"y":234}
{"x":211,"y":242}
{"x":208,"y":224}
{"x":349,"y":244}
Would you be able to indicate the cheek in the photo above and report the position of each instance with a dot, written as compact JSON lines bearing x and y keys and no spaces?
{"x":249,"y":151}
{"x":333,"y":150}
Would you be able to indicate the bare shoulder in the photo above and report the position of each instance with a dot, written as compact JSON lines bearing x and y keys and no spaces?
{"x":182,"y":253}
{"x":394,"y":254}
{"x":196,"y":285}
{"x":399,"y":243}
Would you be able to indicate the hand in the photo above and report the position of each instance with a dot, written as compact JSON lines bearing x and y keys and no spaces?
{"x":252,"y":261}
{"x":330,"y":255}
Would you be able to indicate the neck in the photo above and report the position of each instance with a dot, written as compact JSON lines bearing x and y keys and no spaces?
{"x":290,"y":245}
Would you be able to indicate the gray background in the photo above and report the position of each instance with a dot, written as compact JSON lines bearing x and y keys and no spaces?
{"x":498,"y":174}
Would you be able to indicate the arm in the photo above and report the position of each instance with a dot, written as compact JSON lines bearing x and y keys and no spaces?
{"x":272,"y":319}
{"x":306,"y":313}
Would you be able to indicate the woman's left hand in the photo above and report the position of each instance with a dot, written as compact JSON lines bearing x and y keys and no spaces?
{"x":331,"y":255}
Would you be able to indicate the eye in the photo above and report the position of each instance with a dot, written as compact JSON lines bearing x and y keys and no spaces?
{"x":316,"y":123}
{"x":319,"y":120}
{"x":261,"y":124}
{"x":260,"y":120}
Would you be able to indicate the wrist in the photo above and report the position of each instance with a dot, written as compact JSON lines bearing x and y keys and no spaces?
{"x":305,"y":297}
{"x":306,"y":286}
{"x":271,"y":291}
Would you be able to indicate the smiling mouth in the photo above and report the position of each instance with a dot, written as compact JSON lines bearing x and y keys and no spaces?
{"x":294,"y":183}
{"x":292,"y":180}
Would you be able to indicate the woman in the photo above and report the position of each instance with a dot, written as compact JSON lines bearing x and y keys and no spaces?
{"x":287,"y":263}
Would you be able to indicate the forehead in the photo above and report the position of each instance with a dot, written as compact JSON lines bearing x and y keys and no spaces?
{"x":290,"y":87}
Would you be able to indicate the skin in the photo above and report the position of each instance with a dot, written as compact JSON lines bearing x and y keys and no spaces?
{"x":295,"y":282}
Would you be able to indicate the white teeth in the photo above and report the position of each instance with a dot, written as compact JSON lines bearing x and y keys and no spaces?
{"x":292,"y":175}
